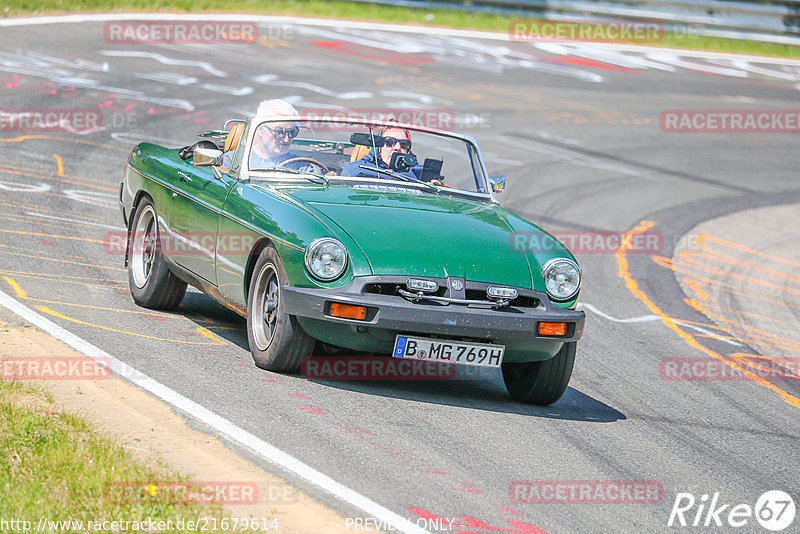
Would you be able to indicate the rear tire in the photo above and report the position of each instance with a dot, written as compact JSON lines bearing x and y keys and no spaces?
{"x":150,"y":280}
{"x":542,"y":382}
{"x":277,"y":342}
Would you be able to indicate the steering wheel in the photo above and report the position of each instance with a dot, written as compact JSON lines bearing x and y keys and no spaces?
{"x":308,"y":160}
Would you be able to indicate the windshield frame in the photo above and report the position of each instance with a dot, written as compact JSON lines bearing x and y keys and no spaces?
{"x":246,"y":175}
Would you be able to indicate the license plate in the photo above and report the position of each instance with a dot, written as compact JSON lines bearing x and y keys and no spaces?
{"x":442,"y":350}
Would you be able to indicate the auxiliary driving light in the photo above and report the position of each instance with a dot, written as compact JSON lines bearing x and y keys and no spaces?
{"x":505,"y":293}
{"x":426,"y":286}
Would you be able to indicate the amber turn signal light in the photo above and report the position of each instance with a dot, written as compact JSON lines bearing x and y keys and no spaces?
{"x":348,"y":311}
{"x":552,"y":329}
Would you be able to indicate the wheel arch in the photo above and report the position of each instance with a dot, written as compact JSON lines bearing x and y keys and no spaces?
{"x":134,"y":206}
{"x":255,"y":252}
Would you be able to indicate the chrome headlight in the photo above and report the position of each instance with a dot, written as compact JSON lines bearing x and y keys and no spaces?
{"x":562,"y":278}
{"x":326,"y":258}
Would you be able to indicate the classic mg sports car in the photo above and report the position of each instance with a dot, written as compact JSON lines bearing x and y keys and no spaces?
{"x":360,"y":235}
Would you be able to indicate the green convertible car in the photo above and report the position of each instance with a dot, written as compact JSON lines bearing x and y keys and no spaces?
{"x":354,"y":235}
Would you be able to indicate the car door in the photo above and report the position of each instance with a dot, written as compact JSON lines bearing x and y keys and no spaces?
{"x":194,"y":219}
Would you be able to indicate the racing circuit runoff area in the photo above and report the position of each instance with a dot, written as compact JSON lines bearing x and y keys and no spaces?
{"x":681,"y":412}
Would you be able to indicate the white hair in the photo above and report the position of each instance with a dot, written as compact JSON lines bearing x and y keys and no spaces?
{"x":275,"y":108}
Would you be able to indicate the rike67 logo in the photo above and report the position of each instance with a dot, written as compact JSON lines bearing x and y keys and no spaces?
{"x":774,"y":510}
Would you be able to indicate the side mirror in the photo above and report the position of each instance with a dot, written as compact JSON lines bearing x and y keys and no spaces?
{"x":205,"y":157}
{"x":498,"y":183}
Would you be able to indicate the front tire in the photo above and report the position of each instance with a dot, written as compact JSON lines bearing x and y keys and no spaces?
{"x":150,"y":280}
{"x":542,"y":382}
{"x":277,"y":342}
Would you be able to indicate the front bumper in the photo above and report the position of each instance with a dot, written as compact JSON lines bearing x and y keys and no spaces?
{"x":392,"y":312}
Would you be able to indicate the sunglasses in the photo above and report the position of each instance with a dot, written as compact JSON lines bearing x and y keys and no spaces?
{"x":283,"y":132}
{"x":405,"y":144}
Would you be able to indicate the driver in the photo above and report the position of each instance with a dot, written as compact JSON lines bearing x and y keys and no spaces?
{"x":272,"y":139}
{"x":393,"y":140}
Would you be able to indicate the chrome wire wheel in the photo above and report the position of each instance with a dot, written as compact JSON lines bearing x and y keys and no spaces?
{"x":144,"y":244}
{"x":265,"y":306}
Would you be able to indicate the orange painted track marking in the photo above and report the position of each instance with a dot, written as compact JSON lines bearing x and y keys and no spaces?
{"x":745,"y":359}
{"x":56,"y":236}
{"x":85,"y":284}
{"x":29,"y":220}
{"x":750,"y":341}
{"x":768,"y":337}
{"x":64,"y":261}
{"x":630,"y":283}
{"x":21,"y":294}
{"x":60,"y":164}
{"x":200,"y":329}
{"x":696,"y":305}
{"x":54,"y":178}
{"x":42,"y":209}
{"x":702,"y":238}
{"x":60,"y":138}
{"x":695,"y":283}
{"x":674,"y":265}
{"x":50,"y":276}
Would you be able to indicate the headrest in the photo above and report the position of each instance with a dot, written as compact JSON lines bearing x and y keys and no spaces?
{"x":234,"y":136}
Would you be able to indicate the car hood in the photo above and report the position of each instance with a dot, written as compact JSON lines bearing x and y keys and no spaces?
{"x":403,"y":233}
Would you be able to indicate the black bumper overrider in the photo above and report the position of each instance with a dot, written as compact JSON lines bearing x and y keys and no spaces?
{"x":392,"y":312}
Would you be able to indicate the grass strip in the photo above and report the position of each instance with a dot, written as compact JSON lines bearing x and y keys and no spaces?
{"x":53,"y":465}
{"x":342,"y":9}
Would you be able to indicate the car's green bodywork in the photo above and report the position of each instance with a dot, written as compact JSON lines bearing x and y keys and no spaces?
{"x":384,"y":233}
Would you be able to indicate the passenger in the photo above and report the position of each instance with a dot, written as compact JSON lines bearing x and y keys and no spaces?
{"x":393,"y":140}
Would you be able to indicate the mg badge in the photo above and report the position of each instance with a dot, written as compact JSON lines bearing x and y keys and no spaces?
{"x":457,"y":285}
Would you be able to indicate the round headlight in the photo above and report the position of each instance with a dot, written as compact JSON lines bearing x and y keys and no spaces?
{"x":326,"y":258}
{"x":562,"y":278}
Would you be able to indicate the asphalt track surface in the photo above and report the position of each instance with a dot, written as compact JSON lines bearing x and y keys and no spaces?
{"x":576,"y":131}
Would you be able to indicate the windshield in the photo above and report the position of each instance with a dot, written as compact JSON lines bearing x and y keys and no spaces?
{"x":365,"y":154}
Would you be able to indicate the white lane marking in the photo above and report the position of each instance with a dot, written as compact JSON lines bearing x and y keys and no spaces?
{"x":613,"y":57}
{"x":649,"y":318}
{"x":78,"y":63}
{"x":227,"y":89}
{"x":672,"y":59}
{"x":19,"y":64}
{"x":238,"y":435}
{"x":423,"y":98}
{"x":25,"y":188}
{"x":709,"y":333}
{"x":167,"y":77}
{"x":97,"y":198}
{"x":76,"y":221}
{"x":574,"y":157}
{"x":208,"y":67}
{"x":272,"y":79}
{"x":129,"y":138}
{"x":640,"y":319}
{"x":374,"y":26}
